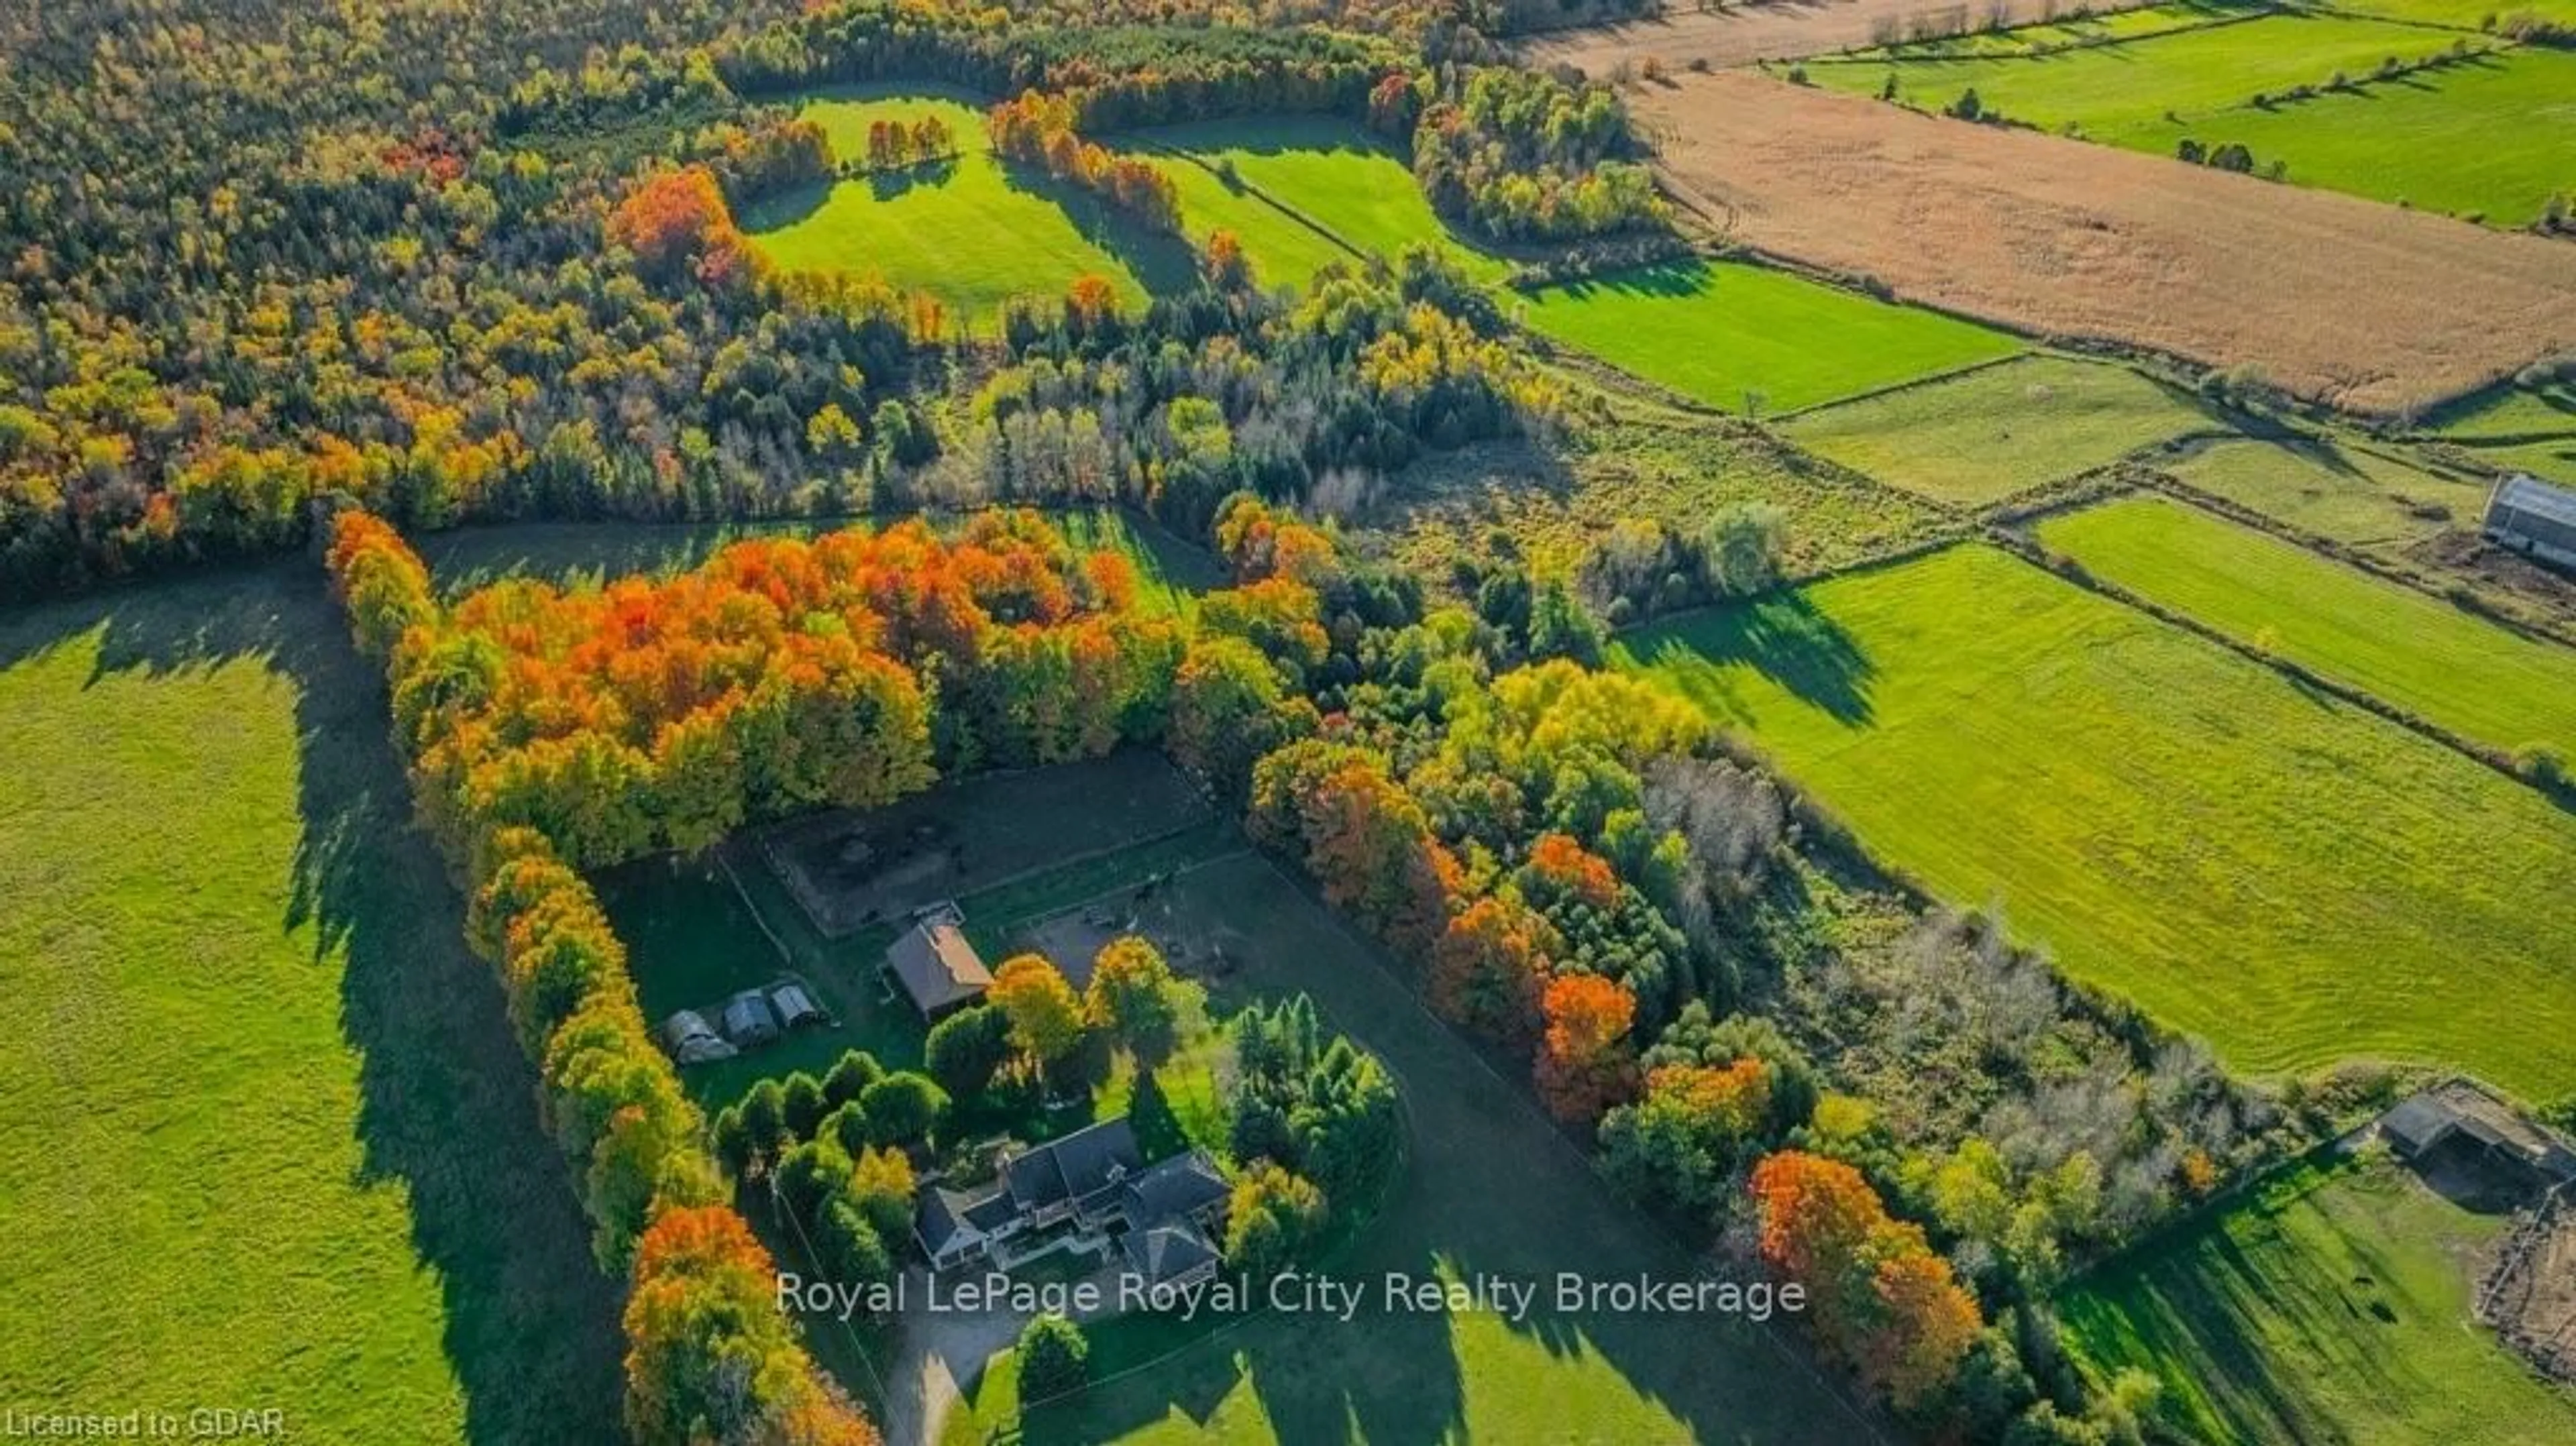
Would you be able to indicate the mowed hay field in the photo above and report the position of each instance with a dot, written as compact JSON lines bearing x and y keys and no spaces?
{"x":2341,"y":493}
{"x":2020,"y":228}
{"x":2491,"y":137}
{"x":2458,"y":671}
{"x":1773,"y":30}
{"x":1999,"y":431}
{"x":973,"y":232}
{"x":2330,"y":1304}
{"x":1305,"y":192}
{"x":265,"y":1137}
{"x":2291,"y":878}
{"x":1718,"y":332}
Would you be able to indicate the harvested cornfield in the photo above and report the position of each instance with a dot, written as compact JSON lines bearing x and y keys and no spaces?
{"x":1780,"y":30}
{"x":2033,"y":232}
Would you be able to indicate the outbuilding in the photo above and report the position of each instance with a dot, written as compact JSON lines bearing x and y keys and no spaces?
{"x":935,"y":965}
{"x":2533,"y":517}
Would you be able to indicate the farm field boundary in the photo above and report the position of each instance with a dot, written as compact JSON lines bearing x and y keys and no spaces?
{"x":2088,"y":572}
{"x":2115,"y":246}
{"x":2354,"y":556}
{"x":1957,"y":715}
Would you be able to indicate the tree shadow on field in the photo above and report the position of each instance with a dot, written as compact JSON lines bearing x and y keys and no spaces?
{"x":1165,"y":264}
{"x":1661,"y":281}
{"x":1786,"y":638}
{"x":446,"y":1100}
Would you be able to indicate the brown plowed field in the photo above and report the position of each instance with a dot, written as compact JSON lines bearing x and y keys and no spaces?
{"x":1778,"y":30}
{"x":2371,"y":307}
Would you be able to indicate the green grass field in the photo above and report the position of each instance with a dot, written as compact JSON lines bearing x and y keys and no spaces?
{"x":2458,"y":14}
{"x":2107,"y":90}
{"x":1999,"y":431}
{"x":1717,"y":331}
{"x":2490,"y":139}
{"x":2402,"y":646}
{"x":2517,"y":414}
{"x":265,"y":1137}
{"x":2493,"y":137}
{"x":2337,"y":492}
{"x":1307,"y":191}
{"x":2555,"y":460}
{"x":2330,"y":1305}
{"x":2284,"y":875}
{"x":974,"y":232}
{"x":1489,"y":1187}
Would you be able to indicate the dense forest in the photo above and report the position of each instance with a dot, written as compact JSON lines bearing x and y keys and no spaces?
{"x":434,"y":260}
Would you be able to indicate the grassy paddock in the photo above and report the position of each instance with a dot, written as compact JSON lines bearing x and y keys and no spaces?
{"x":2003,"y":430}
{"x":2287,"y":876}
{"x":265,"y":1136}
{"x":2341,"y":493}
{"x":2331,"y":1304}
{"x":2402,"y":646}
{"x":2517,"y":414}
{"x":1327,"y":171}
{"x":699,"y":930}
{"x":974,"y":232}
{"x":1721,"y":332}
{"x":1490,"y":1188}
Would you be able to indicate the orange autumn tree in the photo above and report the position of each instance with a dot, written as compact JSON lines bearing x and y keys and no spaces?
{"x":1486,"y":970}
{"x":1585,"y":1065}
{"x":709,"y":1355}
{"x":780,"y":675}
{"x":1879,"y":1298}
{"x":678,"y":218}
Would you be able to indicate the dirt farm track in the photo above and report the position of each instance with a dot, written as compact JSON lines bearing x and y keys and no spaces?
{"x":2372,"y":307}
{"x":1779,"y":30}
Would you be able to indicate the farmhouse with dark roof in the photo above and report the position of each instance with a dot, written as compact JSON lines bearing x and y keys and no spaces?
{"x":1162,"y":1215}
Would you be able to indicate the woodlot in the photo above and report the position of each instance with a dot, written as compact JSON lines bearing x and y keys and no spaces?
{"x":2365,"y":305}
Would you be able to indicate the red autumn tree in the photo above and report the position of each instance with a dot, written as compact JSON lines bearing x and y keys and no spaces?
{"x":1585,"y":1065}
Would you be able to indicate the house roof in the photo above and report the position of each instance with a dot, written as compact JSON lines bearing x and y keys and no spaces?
{"x":1080,"y":1165}
{"x":1182,"y":1185}
{"x":937,"y":966}
{"x":1167,"y":1252}
{"x":942,"y":1214}
{"x":2531,"y":497}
